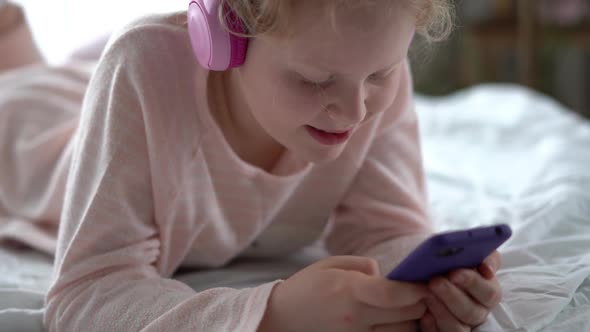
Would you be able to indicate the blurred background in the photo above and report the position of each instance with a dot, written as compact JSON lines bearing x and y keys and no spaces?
{"x":543,"y":44}
{"x":59,"y":26}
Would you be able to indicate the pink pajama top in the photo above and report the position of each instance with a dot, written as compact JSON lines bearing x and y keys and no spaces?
{"x":153,"y":185}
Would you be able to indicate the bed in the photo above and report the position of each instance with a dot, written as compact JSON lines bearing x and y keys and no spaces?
{"x":493,"y":153}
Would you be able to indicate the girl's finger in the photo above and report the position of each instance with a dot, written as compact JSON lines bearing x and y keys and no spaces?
{"x":374,"y":316}
{"x":491,"y":265}
{"x":487,"y":292}
{"x":409,"y":326}
{"x":445,"y":320}
{"x":361,"y":264}
{"x":459,"y":304}
{"x":428,"y":323}
{"x":387,"y":294}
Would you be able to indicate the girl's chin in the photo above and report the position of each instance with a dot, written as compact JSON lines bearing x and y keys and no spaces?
{"x":321,"y":155}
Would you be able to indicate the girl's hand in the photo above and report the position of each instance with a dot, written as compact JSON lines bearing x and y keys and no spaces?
{"x":464,"y":299}
{"x":344,"y":294}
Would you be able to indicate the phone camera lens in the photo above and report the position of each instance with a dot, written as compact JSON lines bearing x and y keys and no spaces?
{"x":499,"y":231}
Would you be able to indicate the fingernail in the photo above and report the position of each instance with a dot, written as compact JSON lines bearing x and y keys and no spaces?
{"x":490,"y":270}
{"x":491,"y":267}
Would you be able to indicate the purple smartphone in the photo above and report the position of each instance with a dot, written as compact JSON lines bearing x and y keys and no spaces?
{"x":449,"y":251}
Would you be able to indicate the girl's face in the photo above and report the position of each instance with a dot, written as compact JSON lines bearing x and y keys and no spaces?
{"x":311,"y":91}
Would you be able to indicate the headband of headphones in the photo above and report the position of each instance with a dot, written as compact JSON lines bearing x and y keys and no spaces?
{"x":214,"y":47}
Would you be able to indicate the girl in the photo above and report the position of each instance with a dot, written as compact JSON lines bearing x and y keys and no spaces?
{"x":189,"y":153}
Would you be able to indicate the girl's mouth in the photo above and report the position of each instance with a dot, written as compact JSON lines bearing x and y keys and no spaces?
{"x":328,"y":138}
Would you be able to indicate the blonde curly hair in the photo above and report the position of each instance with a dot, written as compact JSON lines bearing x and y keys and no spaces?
{"x":434,"y":17}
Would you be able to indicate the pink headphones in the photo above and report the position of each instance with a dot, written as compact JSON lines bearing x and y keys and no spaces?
{"x":214,"y":47}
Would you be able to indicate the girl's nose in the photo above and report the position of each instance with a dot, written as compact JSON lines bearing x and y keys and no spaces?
{"x":350,"y":109}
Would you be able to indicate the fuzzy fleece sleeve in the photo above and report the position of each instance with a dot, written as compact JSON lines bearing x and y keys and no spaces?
{"x":108,"y":275}
{"x":384,"y":213}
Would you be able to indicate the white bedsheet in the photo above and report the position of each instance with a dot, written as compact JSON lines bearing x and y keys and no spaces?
{"x":504,"y":154}
{"x":495,"y":153}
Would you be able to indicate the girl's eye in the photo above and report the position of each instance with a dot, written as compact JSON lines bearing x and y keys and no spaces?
{"x":378,"y":77}
{"x":315,"y":85}
{"x":311,"y":84}
{"x":381,"y":76}
{"x":375,"y":77}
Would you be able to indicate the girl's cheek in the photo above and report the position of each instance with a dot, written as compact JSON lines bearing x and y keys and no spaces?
{"x":304,"y":103}
{"x":378,"y":104}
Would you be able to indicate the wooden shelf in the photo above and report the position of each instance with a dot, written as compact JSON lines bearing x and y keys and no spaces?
{"x":524,"y":35}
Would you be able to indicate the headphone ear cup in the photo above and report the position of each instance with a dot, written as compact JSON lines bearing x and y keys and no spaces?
{"x":214,"y":47}
{"x":239,"y":45}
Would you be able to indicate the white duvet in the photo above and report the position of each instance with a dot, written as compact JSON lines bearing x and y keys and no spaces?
{"x":505,"y":154}
{"x":495,"y":153}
